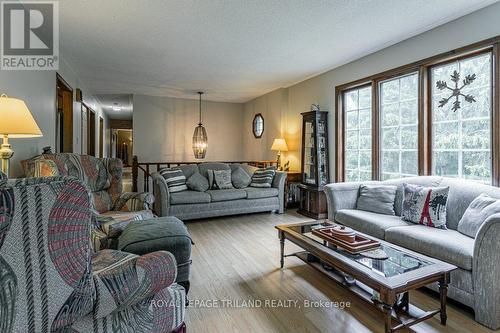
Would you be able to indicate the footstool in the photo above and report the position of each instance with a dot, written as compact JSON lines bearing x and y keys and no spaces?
{"x":166,"y":233}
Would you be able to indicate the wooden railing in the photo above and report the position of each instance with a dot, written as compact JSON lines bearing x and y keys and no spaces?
{"x":146,"y":168}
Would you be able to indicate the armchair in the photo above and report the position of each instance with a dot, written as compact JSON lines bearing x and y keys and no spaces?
{"x":50,"y":281}
{"x":114,"y":208}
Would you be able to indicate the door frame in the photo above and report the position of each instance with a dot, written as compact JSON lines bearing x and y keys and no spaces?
{"x":59,"y":141}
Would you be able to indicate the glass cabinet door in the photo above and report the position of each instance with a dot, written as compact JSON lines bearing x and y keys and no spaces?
{"x":322,"y":152}
{"x":309,"y":161}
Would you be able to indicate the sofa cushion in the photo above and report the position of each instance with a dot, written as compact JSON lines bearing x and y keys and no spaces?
{"x":189,"y":197}
{"x":478,"y":211}
{"x":250,"y":169}
{"x":204,"y":167}
{"x":257,"y":193}
{"x":373,"y":224}
{"x":462,"y":193}
{"x":228,"y":194}
{"x":188,"y":169}
{"x":112,"y":223}
{"x":197,"y":182}
{"x":240,"y":178}
{"x":425,"y":205}
{"x":447,"y":245}
{"x":175,"y":179}
{"x":377,"y":198}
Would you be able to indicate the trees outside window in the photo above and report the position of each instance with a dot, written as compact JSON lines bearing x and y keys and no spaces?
{"x":358,"y":134}
{"x":461,"y":139}
{"x":438,"y":116}
{"x":399,"y":127}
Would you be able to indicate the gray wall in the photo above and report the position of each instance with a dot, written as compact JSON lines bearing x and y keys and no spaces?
{"x":38,"y":90}
{"x":466,"y":30}
{"x":164,"y":126}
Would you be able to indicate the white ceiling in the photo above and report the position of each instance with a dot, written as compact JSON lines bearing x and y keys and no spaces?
{"x":234,"y":50}
{"x":123,"y":101}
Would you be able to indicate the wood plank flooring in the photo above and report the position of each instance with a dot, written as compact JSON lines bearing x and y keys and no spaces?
{"x":236,"y":259}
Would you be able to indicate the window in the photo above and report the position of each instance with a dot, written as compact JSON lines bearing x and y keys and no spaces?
{"x":437,"y":116}
{"x":461,"y":138}
{"x":358,"y":134}
{"x":399,"y":127}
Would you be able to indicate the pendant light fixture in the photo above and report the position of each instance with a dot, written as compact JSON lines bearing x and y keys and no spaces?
{"x":200,"y":138}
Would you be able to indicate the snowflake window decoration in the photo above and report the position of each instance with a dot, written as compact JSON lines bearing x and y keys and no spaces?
{"x":457,"y":91}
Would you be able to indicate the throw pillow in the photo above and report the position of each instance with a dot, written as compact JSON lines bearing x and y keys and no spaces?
{"x":478,"y":211}
{"x":425,"y":205}
{"x":223,"y":179}
{"x":377,"y":198}
{"x":197,"y":182}
{"x":219,"y":179}
{"x":263,"y":177}
{"x":175,"y":179}
{"x":240,"y":178}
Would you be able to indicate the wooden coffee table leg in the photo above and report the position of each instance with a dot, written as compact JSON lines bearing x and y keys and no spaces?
{"x":387,"y":310}
{"x":443,"y":291}
{"x":282,"y":249}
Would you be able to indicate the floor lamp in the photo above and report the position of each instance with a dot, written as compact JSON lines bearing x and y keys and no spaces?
{"x":16,"y":121}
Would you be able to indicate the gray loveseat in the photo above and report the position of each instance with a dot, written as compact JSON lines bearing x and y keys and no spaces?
{"x":475,"y":282}
{"x":188,"y":205}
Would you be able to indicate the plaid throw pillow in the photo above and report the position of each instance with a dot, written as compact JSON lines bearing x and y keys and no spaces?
{"x":175,"y":179}
{"x":263,"y":177}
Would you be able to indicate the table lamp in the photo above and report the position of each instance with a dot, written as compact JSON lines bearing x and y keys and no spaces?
{"x":279,"y":145}
{"x":16,"y":121}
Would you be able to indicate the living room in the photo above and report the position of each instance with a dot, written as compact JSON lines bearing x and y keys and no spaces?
{"x":244,"y":166}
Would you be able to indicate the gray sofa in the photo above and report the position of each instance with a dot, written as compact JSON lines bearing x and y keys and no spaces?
{"x":475,"y":282}
{"x":188,"y":205}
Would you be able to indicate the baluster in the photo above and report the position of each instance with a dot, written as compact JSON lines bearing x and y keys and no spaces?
{"x":135,"y":173}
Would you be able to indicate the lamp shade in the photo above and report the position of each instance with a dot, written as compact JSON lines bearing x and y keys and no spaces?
{"x":16,"y":119}
{"x":200,"y":142}
{"x":279,"y":145}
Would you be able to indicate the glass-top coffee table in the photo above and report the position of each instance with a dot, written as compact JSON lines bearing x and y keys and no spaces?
{"x":384,"y":283}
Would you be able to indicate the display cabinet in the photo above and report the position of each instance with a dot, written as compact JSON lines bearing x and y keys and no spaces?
{"x":315,"y":169}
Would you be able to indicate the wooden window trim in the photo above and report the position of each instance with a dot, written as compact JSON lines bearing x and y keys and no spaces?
{"x":424,"y":108}
{"x":428,"y":109}
{"x":376,"y":167}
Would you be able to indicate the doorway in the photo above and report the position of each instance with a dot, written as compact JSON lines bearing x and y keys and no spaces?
{"x":91,"y":137}
{"x":64,"y":116}
{"x":101,"y":137}
{"x":122,"y":145}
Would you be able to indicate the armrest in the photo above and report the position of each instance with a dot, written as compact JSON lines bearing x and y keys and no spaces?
{"x":486,"y":273}
{"x":341,"y":196}
{"x":124,"y":279}
{"x":161,"y":206}
{"x":279,"y":183}
{"x":134,"y":201}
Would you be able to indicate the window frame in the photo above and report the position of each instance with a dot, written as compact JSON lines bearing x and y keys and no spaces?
{"x":423,"y":68}
{"x":378,"y":130}
{"x":429,"y":123}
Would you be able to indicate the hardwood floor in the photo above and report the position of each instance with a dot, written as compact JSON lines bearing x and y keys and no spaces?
{"x":237,"y":259}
